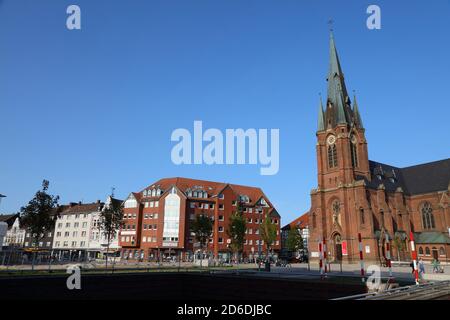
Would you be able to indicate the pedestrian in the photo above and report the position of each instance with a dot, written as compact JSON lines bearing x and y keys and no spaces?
{"x":421,"y":267}
{"x":412,"y":266}
{"x":436,"y":264}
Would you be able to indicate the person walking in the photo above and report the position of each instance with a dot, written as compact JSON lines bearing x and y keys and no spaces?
{"x":436,"y":265}
{"x":421,"y":268}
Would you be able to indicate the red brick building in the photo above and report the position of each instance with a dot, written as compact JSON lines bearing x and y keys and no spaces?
{"x":157,"y":219}
{"x":355,"y":195}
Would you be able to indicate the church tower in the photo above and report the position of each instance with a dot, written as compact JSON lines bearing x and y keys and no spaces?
{"x":342,"y":169}
{"x":341,"y":144}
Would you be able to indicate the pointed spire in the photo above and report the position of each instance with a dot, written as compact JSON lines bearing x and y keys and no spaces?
{"x":356,"y":116}
{"x":321,"y":121}
{"x":337,"y":91}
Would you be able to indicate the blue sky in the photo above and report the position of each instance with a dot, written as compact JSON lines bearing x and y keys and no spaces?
{"x":94,"y":108}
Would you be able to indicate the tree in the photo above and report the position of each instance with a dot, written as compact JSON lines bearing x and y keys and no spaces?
{"x":202,"y":228}
{"x":110,"y":222}
{"x":399,"y":245}
{"x":39,"y":216}
{"x":236,"y":231}
{"x":268,"y":232}
{"x":294,"y":240}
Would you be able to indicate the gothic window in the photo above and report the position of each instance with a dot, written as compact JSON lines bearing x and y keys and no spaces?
{"x":336,"y":208}
{"x":427,"y":251}
{"x":421,"y":251}
{"x":382,"y":218}
{"x":361,"y":215}
{"x":332,"y":156}
{"x":314,"y":220}
{"x":354,"y":152}
{"x":427,"y":216}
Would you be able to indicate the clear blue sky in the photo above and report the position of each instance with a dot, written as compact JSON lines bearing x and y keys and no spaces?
{"x":95,"y":108}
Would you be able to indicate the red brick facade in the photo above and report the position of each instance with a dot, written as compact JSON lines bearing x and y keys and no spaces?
{"x":355,"y":195}
{"x":158,"y":227}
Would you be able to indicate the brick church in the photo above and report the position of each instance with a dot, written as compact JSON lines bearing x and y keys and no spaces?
{"x":382,"y":202}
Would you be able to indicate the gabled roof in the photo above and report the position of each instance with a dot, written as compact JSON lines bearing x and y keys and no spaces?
{"x":301,"y":222}
{"x":82,"y":208}
{"x":418,"y":179}
{"x":9,"y":218}
{"x":212,"y":188}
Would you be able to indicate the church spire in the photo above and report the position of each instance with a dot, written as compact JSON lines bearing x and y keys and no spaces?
{"x":321,"y":121}
{"x":337,"y":91}
{"x":356,"y":116}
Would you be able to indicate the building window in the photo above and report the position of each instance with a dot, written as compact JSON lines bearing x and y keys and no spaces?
{"x":441,"y":251}
{"x":427,"y":251}
{"x":332,"y":156}
{"x":421,"y":251}
{"x":427,"y":216}
{"x":362,"y":216}
{"x":354,"y":152}
{"x":314,"y":220}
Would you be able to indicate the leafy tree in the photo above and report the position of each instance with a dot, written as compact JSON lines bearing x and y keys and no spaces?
{"x":268,"y":232}
{"x":202,"y":228}
{"x":294,"y":241}
{"x":236,"y":231}
{"x":110,"y":222}
{"x":399,"y":245}
{"x":39,"y":216}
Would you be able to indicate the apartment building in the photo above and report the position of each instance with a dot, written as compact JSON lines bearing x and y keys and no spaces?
{"x":78,"y":235}
{"x":157,"y":219}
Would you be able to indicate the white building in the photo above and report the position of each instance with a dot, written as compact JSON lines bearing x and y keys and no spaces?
{"x":3,"y":230}
{"x":15,"y":236}
{"x":77,"y":233}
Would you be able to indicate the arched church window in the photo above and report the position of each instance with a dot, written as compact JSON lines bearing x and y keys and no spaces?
{"x":332,"y":156}
{"x":427,"y":251}
{"x":427,"y":216}
{"x":314,"y":220}
{"x":361,"y":215}
{"x":354,"y":152}
{"x":421,"y":251}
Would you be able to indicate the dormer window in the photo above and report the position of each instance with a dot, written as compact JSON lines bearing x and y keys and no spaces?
{"x":221,"y":196}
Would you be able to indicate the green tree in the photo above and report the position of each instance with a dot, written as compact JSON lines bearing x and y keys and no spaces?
{"x":110,"y":222}
{"x":236,"y":231}
{"x":294,"y":240}
{"x":202,"y":227}
{"x":268,"y":232}
{"x":38,"y":217}
{"x":399,"y":245}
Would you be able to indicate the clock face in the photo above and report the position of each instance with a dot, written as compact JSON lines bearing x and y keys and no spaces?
{"x":331,"y":139}
{"x":353,"y":139}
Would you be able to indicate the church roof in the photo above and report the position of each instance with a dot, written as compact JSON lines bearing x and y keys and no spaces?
{"x":418,"y":179}
{"x":431,"y":237}
{"x":338,"y":108}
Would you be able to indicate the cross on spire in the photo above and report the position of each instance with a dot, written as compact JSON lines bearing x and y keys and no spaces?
{"x":330,"y":24}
